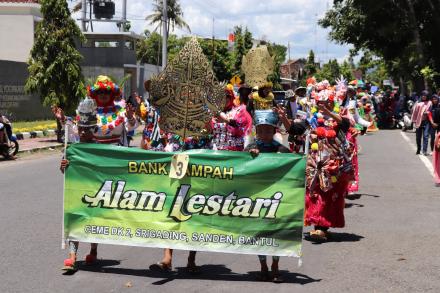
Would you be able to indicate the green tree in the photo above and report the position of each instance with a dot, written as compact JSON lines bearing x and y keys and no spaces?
{"x":174,"y":14}
{"x":329,"y":71}
{"x":278,"y":53}
{"x":310,"y":67}
{"x":148,"y":50}
{"x":239,"y":50}
{"x":54,"y":63}
{"x":346,"y":70}
{"x":218,"y":54}
{"x":399,"y":31}
{"x":247,"y":38}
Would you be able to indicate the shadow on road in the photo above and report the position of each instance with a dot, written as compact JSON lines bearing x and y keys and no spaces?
{"x":222,"y":273}
{"x":207,"y":272}
{"x":359,"y":195}
{"x":350,"y":205}
{"x":335,"y":237}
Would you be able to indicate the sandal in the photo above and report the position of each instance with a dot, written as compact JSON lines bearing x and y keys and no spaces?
{"x":69,"y":265}
{"x":318,"y":235}
{"x":160,"y":267}
{"x":91,"y":259}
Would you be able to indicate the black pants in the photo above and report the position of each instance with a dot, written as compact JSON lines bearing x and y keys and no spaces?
{"x":8,"y":130}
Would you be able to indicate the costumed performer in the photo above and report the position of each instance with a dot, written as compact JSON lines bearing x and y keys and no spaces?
{"x":328,"y":170}
{"x":86,"y":124}
{"x":186,"y":104}
{"x":232,"y":125}
{"x":113,"y":120}
{"x":349,"y":110}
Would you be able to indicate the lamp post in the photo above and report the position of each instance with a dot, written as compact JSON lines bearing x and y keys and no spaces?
{"x":164,"y":35}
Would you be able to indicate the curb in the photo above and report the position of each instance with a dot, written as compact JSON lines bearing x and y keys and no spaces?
{"x":42,"y":148}
{"x":34,"y":134}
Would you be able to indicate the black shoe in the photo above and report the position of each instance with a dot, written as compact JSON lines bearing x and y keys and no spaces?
{"x":418,"y":153}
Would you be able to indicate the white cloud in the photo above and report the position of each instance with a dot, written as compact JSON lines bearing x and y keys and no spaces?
{"x":281,"y":21}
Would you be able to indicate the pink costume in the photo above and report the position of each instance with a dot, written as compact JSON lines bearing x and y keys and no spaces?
{"x":354,"y":185}
{"x":420,"y":109}
{"x":436,"y":159}
{"x":231,"y":137}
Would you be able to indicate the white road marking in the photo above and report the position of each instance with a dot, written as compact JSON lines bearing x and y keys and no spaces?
{"x":425,"y":160}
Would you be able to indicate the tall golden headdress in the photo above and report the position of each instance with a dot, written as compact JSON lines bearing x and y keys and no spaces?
{"x":257,"y":65}
{"x":187,"y":92}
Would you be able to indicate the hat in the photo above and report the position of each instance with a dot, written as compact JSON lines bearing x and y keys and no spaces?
{"x":266,"y":117}
{"x":289,"y":94}
{"x":301,"y":91}
{"x":86,"y":113}
{"x":104,"y":84}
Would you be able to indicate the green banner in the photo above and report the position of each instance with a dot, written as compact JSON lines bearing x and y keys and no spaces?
{"x":226,"y":201}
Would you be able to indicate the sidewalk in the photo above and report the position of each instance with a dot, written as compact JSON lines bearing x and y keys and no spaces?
{"x":38,"y":143}
{"x":43,"y":143}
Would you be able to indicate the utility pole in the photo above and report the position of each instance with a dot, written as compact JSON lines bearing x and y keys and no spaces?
{"x":90,"y":15}
{"x":288,"y":61}
{"x":83,"y":15}
{"x":164,"y":35}
{"x":124,"y":16}
{"x":213,"y":42}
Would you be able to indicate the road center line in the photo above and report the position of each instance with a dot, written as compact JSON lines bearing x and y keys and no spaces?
{"x":424,"y":159}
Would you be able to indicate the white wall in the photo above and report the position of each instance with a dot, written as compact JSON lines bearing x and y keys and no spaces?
{"x":16,"y":37}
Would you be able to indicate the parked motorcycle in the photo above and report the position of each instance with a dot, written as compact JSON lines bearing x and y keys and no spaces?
{"x":405,"y":122}
{"x":8,"y":141}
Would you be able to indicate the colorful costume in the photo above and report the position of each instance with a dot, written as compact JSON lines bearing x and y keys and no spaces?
{"x":436,"y":159}
{"x":329,"y":168}
{"x":231,"y":136}
{"x":112,"y":125}
{"x":328,"y":173}
{"x":370,"y":117}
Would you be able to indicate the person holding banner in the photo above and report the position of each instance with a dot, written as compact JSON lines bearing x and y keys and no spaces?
{"x":101,"y":119}
{"x":266,"y":122}
{"x":86,"y":123}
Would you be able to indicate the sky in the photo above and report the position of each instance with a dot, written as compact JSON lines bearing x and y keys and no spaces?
{"x":280,"y":21}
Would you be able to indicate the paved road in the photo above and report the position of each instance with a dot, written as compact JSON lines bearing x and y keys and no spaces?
{"x":390,"y":243}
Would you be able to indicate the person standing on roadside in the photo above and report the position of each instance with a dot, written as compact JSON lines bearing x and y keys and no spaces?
{"x":434,"y":119}
{"x":420,"y":117}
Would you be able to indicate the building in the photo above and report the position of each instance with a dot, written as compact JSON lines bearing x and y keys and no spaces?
{"x":293,"y":69}
{"x":18,"y":20}
{"x":111,"y":54}
{"x":114,"y":54}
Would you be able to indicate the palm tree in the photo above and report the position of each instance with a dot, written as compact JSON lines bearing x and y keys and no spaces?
{"x":174,"y":12}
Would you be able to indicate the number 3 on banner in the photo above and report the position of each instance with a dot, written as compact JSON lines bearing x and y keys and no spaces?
{"x":179,"y":165}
